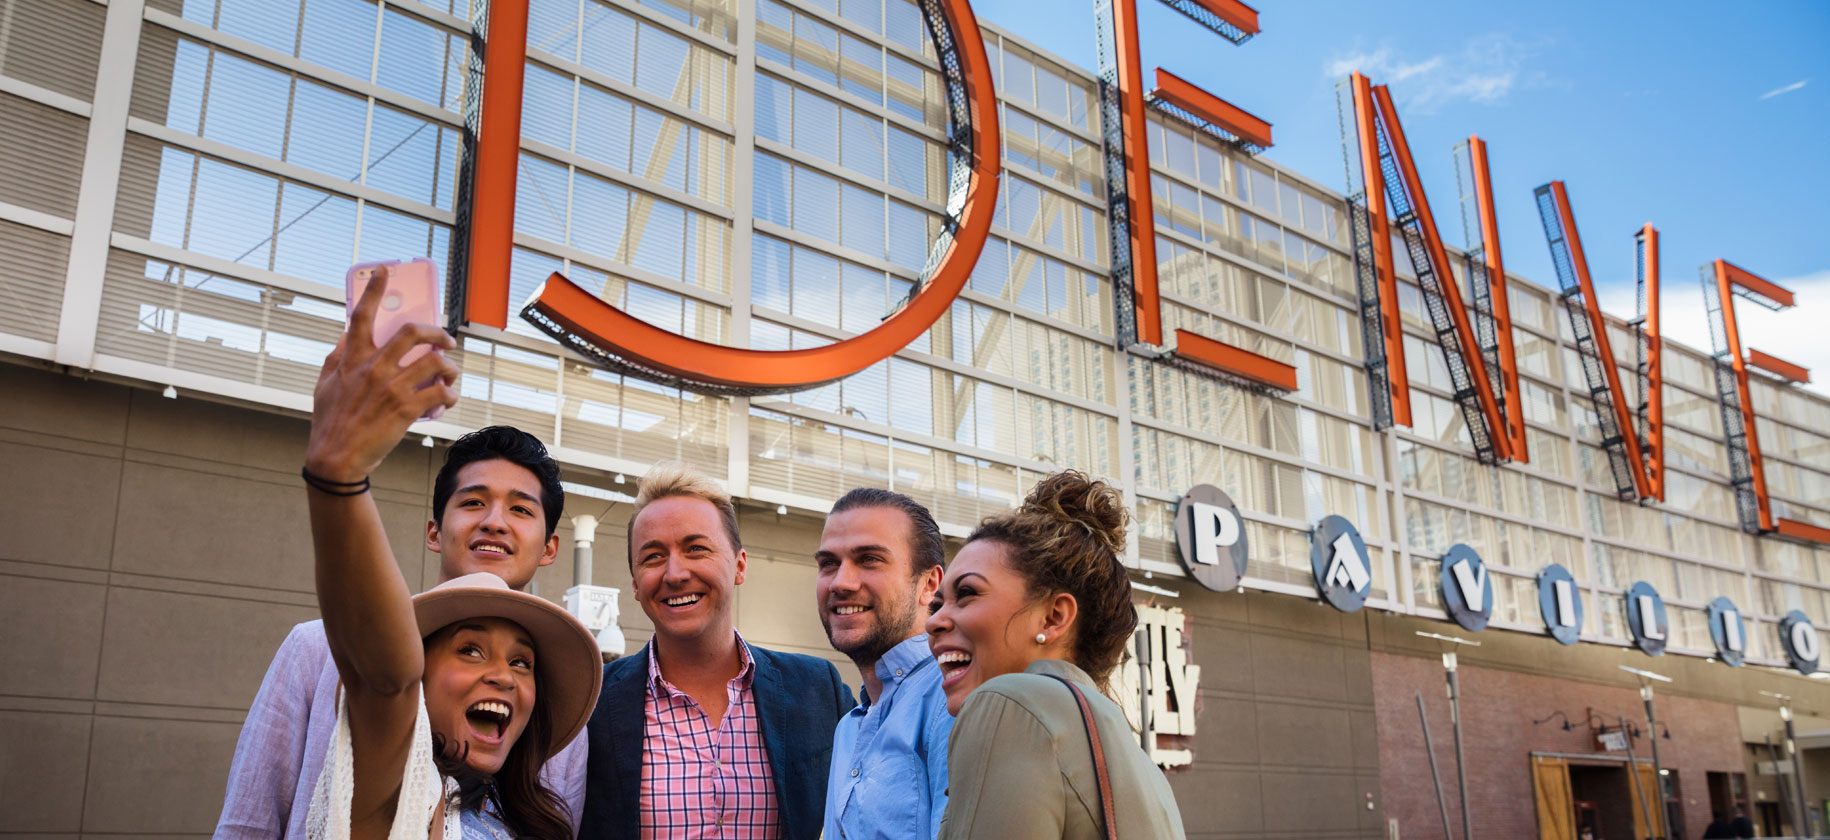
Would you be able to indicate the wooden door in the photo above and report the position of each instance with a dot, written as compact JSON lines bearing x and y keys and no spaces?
{"x":1644,"y":824}
{"x":1556,"y":810}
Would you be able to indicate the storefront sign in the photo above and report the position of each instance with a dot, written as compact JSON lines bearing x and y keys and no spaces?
{"x":1560,"y":603}
{"x":1170,"y":689}
{"x":1467,"y":590}
{"x":1337,"y":555}
{"x":1612,"y":740}
{"x":1726,"y":629}
{"x":1210,"y":538}
{"x":1799,"y":639}
{"x":1646,"y":618}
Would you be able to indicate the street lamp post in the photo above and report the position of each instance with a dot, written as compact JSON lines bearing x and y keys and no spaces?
{"x":1798,"y":771}
{"x":1450,"y":667}
{"x":1658,"y":769}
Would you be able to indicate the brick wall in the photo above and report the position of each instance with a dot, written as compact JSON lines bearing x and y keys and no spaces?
{"x":1498,"y":707}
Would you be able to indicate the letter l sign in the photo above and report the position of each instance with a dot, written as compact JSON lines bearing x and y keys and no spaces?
{"x":1648,"y":618}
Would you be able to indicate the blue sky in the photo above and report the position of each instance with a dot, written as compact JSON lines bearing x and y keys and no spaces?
{"x":1707,"y":120}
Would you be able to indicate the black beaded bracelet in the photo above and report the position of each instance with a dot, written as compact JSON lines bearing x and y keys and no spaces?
{"x":334,"y":488}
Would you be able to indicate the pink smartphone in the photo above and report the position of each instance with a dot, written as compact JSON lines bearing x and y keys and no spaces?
{"x":412,"y":298}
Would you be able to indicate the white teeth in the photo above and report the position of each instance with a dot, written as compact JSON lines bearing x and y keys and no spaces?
{"x":682,"y":601}
{"x":492,"y":549}
{"x":490,"y":706}
{"x":849,"y":610}
{"x":953,"y":656}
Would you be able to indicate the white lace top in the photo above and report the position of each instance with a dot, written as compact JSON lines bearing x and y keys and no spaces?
{"x":422,"y":789}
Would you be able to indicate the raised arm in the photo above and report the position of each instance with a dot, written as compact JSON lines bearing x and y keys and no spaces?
{"x":362,"y":406}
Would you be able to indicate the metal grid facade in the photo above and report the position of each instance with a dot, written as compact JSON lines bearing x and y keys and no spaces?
{"x":769,"y":174}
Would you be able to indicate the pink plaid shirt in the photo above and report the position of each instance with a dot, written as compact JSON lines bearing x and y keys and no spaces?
{"x":700,"y":782}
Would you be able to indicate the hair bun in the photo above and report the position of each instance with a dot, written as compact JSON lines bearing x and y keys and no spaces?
{"x":1073,"y":496}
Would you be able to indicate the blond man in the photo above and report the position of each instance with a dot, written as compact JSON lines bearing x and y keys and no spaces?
{"x":701,"y":733}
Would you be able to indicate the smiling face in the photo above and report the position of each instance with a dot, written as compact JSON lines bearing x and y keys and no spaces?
{"x":684,"y":568}
{"x":984,"y":623}
{"x":868,"y":595}
{"x":494,"y":523}
{"x":480,"y":687}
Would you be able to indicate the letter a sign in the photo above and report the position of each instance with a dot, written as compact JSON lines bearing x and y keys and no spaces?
{"x":1210,"y":538}
{"x":1337,"y":556}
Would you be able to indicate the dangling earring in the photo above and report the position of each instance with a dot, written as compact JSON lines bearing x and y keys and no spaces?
{"x":1041,"y":638}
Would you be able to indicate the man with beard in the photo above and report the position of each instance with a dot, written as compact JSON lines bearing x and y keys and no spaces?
{"x":880,"y":563}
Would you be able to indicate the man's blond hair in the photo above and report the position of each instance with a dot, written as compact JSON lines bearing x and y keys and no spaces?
{"x":673,"y":478}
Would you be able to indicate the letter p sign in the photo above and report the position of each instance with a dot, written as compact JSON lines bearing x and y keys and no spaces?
{"x":1210,"y":538}
{"x":1215,"y":528}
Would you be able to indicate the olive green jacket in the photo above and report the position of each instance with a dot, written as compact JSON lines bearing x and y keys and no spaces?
{"x":1019,"y":767}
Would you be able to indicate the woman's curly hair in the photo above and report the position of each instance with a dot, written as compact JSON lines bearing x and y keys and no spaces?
{"x":1067,"y":536}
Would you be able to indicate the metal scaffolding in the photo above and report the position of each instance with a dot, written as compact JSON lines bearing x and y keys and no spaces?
{"x":1365,"y":269}
{"x":1589,"y":345}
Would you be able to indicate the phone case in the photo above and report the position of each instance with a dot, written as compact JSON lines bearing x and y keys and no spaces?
{"x":412,"y":298}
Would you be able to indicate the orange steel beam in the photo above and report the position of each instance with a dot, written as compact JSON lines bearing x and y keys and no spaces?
{"x":1727,"y":277}
{"x":492,"y":205}
{"x":589,"y":318}
{"x":1738,"y":276}
{"x":1234,"y":360}
{"x":1779,"y":367}
{"x":1655,"y":376}
{"x":1233,"y":12}
{"x":1598,"y":325}
{"x":1185,"y":95}
{"x":1496,"y":294}
{"x":1802,"y":530}
{"x":1137,"y":172}
{"x":1379,"y":227}
{"x":1439,"y":257}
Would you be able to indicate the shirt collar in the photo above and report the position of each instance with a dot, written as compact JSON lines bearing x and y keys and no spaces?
{"x":900,"y":663}
{"x":904,"y":659}
{"x":658,"y":686}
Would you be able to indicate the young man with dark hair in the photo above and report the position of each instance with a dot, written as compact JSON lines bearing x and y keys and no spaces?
{"x":880,"y":561}
{"x":702,"y":734}
{"x":496,"y":506}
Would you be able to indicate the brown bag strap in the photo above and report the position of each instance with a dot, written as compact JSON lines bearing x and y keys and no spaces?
{"x":1108,"y":820}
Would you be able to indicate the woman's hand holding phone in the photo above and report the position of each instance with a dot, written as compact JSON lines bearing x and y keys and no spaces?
{"x":365,"y":399}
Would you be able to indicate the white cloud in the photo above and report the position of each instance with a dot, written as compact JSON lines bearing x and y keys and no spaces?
{"x":1784,"y":90}
{"x":1484,"y":70}
{"x":1795,"y":335}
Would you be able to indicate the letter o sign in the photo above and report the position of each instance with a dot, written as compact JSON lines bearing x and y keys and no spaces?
{"x":1798,"y":636}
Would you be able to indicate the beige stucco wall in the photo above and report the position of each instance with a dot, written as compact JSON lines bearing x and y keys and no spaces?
{"x":157,"y":553}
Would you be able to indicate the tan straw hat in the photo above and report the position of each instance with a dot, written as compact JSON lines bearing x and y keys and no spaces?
{"x":565,"y":654}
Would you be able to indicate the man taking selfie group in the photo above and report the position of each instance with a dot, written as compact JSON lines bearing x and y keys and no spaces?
{"x":698,"y":734}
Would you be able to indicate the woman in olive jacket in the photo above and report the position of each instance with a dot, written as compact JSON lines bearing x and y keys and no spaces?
{"x":1038,"y":596}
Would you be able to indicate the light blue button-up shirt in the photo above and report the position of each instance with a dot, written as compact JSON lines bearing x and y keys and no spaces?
{"x":889,"y":754}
